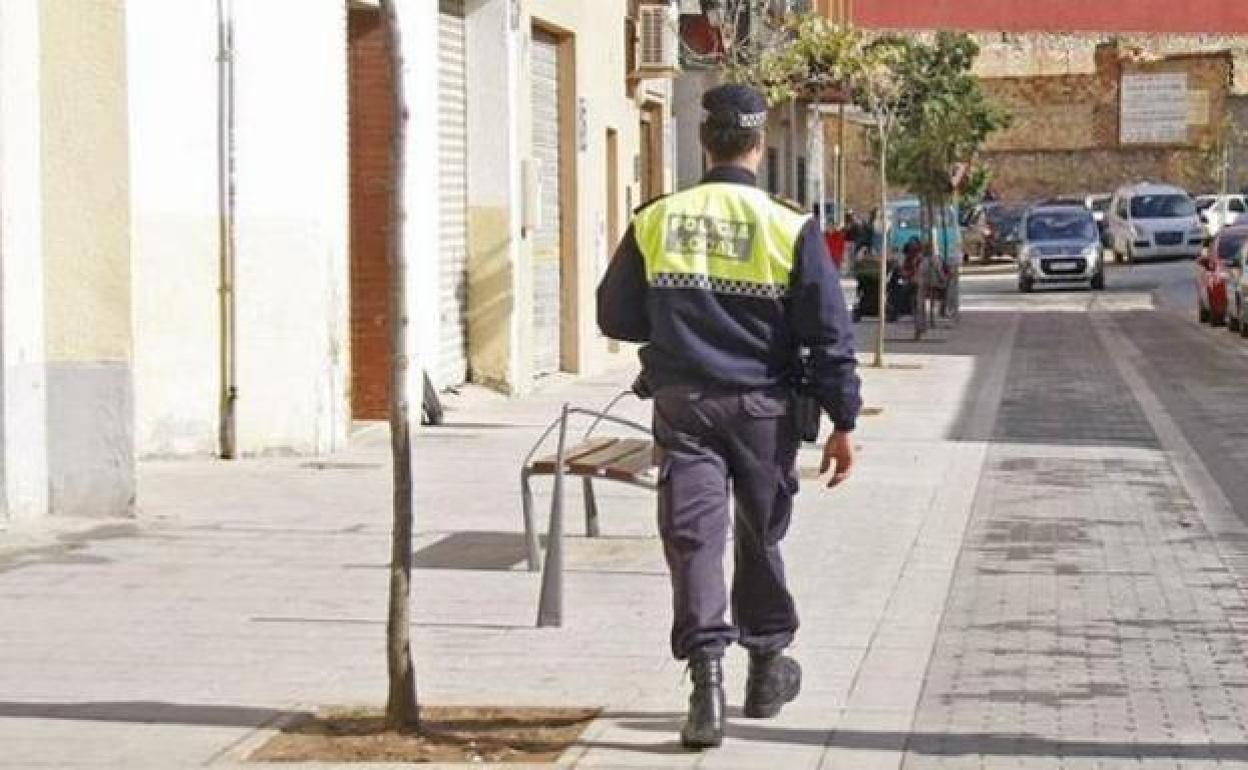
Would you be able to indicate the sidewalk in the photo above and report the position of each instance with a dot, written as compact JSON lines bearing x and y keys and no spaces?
{"x":249,"y":590}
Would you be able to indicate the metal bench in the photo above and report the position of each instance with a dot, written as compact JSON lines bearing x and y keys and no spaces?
{"x":608,"y":458}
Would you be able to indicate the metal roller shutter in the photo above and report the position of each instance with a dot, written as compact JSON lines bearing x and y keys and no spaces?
{"x":547,"y":245}
{"x":452,"y":364}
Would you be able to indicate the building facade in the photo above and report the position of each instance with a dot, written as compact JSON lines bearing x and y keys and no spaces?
{"x":194,"y":214}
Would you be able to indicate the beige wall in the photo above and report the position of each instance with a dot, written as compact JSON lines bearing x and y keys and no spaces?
{"x":501,"y":260}
{"x":86,"y":233}
{"x":86,"y":249}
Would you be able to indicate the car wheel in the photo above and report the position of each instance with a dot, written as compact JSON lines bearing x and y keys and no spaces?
{"x":1243,"y":327}
{"x":1202,"y":315}
{"x":1025,"y":285}
{"x":1232,"y":323}
{"x":1098,"y":281}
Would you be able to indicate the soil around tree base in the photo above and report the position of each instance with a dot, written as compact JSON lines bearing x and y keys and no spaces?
{"x":446,"y":734}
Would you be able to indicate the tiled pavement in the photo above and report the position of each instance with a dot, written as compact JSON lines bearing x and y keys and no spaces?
{"x":1091,"y":621}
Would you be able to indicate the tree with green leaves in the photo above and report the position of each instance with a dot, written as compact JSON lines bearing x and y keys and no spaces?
{"x":946,"y":119}
{"x":928,"y":111}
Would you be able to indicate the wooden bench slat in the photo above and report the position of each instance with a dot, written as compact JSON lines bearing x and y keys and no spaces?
{"x":546,"y":464}
{"x":592,"y":464}
{"x":634,"y":466}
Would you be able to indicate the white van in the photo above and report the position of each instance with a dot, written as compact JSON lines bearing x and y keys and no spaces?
{"x":1147,"y":221}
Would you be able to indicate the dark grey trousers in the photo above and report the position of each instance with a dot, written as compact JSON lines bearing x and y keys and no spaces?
{"x":715,"y":446}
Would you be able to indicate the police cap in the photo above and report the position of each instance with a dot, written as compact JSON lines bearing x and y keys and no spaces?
{"x":735,"y":106}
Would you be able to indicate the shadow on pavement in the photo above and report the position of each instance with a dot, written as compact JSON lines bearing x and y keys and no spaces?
{"x":474,"y":551}
{"x":937,"y":744}
{"x":147,"y":712}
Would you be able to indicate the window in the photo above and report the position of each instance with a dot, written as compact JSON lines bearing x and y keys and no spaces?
{"x":1061,"y":225}
{"x":1237,"y":206}
{"x":1163,"y":206}
{"x":773,"y":170}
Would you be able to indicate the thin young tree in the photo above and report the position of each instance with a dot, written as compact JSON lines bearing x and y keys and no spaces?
{"x":877,"y":76}
{"x":402,"y":706}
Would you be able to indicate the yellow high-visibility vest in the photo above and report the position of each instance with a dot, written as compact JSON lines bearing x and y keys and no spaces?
{"x":720,"y":237}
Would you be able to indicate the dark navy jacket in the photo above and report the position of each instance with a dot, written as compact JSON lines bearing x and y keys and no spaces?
{"x":697,"y":336}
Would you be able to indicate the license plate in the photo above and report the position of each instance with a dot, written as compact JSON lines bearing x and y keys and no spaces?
{"x":1063,"y":265}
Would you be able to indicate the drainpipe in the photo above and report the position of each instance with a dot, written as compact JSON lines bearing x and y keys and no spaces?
{"x":225,"y":201}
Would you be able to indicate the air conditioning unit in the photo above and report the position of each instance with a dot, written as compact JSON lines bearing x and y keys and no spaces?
{"x":658,"y":40}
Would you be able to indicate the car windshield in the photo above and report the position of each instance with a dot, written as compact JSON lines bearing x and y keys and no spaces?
{"x":909,"y":217}
{"x":1204,"y":203}
{"x":1060,"y":226}
{"x":1165,"y":206}
{"x":906,"y":217}
{"x":1228,"y":245}
{"x":1004,"y":217}
{"x":1100,"y":204}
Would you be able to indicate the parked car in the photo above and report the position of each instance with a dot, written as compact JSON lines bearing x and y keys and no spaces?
{"x":1060,"y":245}
{"x":1098,"y":204}
{"x":1219,"y":211}
{"x":904,"y":215}
{"x":992,"y":231}
{"x":1214,"y":277}
{"x":1237,"y":293}
{"x":1147,"y":221}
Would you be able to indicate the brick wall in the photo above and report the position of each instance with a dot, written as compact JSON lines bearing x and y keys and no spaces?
{"x":1027,"y":175}
{"x":372,"y":121}
{"x":1065,"y":136}
{"x":1057,"y":112}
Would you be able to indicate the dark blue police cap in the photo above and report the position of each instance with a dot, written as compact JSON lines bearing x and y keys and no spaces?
{"x":735,"y":106}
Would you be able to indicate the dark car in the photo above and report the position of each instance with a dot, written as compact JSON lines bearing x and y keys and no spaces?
{"x":993,"y":231}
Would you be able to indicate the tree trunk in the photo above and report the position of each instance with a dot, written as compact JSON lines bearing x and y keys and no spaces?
{"x":883,"y":325}
{"x":402,"y":707}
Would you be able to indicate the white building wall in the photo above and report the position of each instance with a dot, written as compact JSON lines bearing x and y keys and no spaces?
{"x":172,"y":49}
{"x":419,"y":24}
{"x":23,"y":386}
{"x":292,"y":227}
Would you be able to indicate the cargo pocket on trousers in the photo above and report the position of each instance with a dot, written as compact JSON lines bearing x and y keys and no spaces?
{"x":765,"y":404}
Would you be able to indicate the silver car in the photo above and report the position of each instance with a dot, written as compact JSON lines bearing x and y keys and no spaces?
{"x":1060,"y":245}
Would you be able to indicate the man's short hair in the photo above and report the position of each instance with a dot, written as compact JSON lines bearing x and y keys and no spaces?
{"x":735,"y":117}
{"x":726,"y":143}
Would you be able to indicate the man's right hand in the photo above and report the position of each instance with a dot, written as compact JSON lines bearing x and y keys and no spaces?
{"x":838,"y":456}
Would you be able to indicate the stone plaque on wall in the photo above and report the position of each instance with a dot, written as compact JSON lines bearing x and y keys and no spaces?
{"x":1154,"y":109}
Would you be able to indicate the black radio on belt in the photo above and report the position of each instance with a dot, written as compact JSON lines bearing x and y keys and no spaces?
{"x":808,"y":411}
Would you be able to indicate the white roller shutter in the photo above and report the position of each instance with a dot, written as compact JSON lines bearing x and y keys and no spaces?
{"x":452,"y":364}
{"x":547,"y":245}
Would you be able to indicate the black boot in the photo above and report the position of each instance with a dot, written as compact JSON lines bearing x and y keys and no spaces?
{"x":704,"y":728}
{"x":774,"y":680}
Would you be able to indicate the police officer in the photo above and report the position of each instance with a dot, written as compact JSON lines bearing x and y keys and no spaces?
{"x":726,"y":286}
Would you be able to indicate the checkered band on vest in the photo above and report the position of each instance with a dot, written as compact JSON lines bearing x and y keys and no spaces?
{"x":719,"y":285}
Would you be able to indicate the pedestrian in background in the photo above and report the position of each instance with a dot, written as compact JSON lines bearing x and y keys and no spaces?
{"x":726,"y":286}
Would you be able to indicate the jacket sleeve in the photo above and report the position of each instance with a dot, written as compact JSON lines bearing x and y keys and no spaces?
{"x":822,"y":324}
{"x":622,"y":311}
